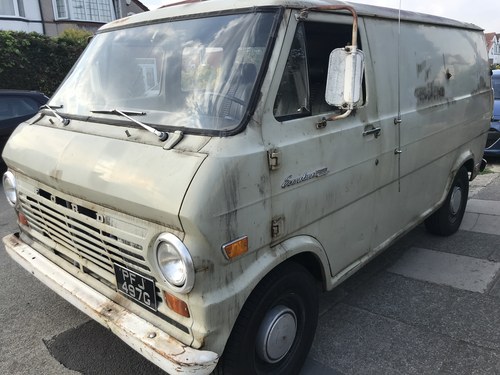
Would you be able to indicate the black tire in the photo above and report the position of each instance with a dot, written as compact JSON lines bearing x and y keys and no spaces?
{"x":288,"y":294}
{"x":447,"y":219}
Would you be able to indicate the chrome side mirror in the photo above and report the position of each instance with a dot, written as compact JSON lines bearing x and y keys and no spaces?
{"x":345,"y":77}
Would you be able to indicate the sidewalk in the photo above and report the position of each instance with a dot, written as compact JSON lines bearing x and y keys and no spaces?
{"x":428,"y":305}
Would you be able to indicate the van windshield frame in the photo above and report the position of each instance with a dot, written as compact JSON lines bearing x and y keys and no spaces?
{"x":197,"y":74}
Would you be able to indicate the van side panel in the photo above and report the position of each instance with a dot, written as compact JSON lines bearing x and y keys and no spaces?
{"x":367,"y":194}
{"x":445,"y":114}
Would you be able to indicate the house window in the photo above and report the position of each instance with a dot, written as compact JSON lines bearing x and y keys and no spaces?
{"x":60,"y":9}
{"x":85,"y":10}
{"x":13,"y":8}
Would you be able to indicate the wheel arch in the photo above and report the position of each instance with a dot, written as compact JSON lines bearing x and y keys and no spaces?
{"x":469,"y":165}
{"x":465,"y":159}
{"x":309,"y":253}
{"x":447,"y":218}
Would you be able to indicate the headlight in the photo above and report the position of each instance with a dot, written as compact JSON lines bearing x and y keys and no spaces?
{"x":9,"y":188}
{"x":175,"y":262}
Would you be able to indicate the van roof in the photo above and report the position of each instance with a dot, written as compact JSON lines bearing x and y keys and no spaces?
{"x":208,"y":6}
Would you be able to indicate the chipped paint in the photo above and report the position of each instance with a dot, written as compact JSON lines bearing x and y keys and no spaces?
{"x":213,"y":190}
{"x":162,"y":349}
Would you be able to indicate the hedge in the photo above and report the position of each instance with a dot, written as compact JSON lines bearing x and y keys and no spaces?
{"x":31,"y":61}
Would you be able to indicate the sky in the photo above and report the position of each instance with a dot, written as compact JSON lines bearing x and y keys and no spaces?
{"x":484,"y":13}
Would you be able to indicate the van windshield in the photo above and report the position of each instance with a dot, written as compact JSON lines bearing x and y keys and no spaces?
{"x":191,"y":73}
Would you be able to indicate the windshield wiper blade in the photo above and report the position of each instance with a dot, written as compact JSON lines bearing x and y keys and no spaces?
{"x":162,"y":135}
{"x":117,"y":112}
{"x":64,"y":120}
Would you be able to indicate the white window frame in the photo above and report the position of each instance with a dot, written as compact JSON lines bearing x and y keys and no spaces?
{"x":56,"y":10}
{"x":69,"y":10}
{"x":16,"y":14}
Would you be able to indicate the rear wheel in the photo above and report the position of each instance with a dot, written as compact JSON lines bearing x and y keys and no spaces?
{"x":276,"y":326}
{"x":447,"y":219}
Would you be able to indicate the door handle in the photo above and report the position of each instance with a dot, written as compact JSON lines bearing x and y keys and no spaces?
{"x":371,"y":130}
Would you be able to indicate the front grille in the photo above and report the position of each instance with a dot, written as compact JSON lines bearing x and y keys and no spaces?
{"x":89,"y":237}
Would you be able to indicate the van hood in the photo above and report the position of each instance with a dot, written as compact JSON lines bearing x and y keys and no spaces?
{"x":138,"y":179}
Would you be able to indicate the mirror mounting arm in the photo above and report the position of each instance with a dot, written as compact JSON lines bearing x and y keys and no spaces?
{"x":339,"y":117}
{"x":322,"y":124}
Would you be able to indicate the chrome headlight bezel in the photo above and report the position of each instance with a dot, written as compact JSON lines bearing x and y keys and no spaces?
{"x":10,"y":188}
{"x":178,"y":252}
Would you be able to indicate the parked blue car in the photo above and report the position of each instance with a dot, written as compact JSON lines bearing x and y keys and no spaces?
{"x":493,"y":142}
{"x":17,"y":106}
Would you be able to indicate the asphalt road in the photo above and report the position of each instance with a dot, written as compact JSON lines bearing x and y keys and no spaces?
{"x":393,"y":317}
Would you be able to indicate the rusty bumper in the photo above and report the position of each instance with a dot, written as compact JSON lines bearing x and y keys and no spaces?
{"x":154,"y":344}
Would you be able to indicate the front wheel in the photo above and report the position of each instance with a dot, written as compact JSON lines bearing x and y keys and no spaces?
{"x":276,"y":326}
{"x":447,"y":219}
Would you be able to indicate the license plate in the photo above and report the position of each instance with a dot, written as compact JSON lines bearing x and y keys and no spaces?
{"x":135,"y":286}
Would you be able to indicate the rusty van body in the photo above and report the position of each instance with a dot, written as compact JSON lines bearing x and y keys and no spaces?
{"x":206,"y":168}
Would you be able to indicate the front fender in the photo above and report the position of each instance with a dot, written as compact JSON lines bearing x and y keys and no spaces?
{"x":307,"y":245}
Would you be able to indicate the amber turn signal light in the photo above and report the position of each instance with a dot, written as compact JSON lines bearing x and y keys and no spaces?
{"x":23,"y":220}
{"x":177,"y":305}
{"x":236,"y":247}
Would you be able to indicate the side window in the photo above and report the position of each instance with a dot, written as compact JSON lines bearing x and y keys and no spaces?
{"x":292,"y":100}
{"x":311,"y":51}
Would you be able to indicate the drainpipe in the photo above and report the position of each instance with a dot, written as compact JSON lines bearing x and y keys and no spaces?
{"x":41,"y":15}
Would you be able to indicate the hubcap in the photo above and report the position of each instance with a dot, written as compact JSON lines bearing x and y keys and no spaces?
{"x":276,"y":334}
{"x":456,"y":200}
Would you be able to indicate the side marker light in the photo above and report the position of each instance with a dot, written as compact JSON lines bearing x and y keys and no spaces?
{"x":236,"y":248}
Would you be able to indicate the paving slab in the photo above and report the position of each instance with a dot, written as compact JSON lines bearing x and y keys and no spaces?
{"x":481,"y":206}
{"x":468,"y":359}
{"x":481,"y":182}
{"x":481,"y":223}
{"x":490,"y":191}
{"x":462,"y":315}
{"x":473,"y":244}
{"x":356,"y":341}
{"x":457,"y":271}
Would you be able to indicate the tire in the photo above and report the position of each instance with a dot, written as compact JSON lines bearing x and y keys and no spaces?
{"x":447,"y":219}
{"x":286,"y":299}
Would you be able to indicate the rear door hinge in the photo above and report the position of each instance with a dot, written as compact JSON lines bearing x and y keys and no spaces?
{"x":273,"y":157}
{"x":277,"y":226}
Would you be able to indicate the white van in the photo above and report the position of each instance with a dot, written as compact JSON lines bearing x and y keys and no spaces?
{"x":206,"y":169}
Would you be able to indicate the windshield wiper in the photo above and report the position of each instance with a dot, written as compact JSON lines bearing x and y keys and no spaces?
{"x":64,"y":120}
{"x":162,"y":135}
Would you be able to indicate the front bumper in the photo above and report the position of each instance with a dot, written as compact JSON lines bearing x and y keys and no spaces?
{"x":155,"y":345}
